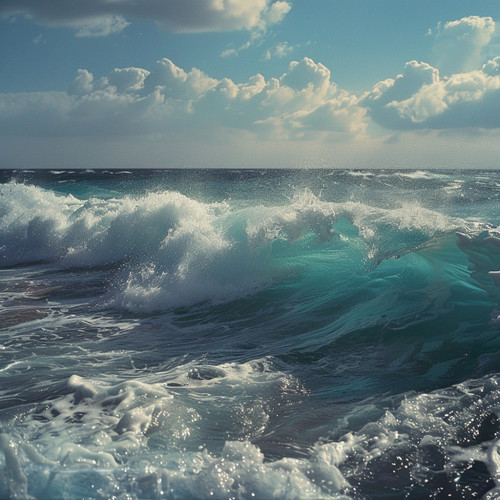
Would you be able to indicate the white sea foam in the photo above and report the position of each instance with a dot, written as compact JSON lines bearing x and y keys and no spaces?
{"x":141,"y":438}
{"x":109,"y":431}
{"x":305,"y":213}
{"x":451,"y":427}
{"x":174,"y":250}
{"x":419,"y":174}
{"x":360,"y":173}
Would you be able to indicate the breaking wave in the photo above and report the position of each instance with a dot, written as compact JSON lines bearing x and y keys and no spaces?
{"x":173,"y":251}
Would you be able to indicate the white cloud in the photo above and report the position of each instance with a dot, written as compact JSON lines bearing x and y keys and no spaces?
{"x":422,"y":99}
{"x":100,"y":26}
{"x":280,"y":50}
{"x":341,"y":114}
{"x":458,"y":44}
{"x":229,"y":53}
{"x":175,"y":83}
{"x":82,"y":84}
{"x":302,"y":103}
{"x":492,"y":67}
{"x":102,"y":17}
{"x":380,"y":99}
{"x":277,"y":11}
{"x":259,"y":30}
{"x":462,"y":93}
{"x":256,"y":37}
{"x":133,"y":101}
{"x":306,"y":73}
{"x":127,"y":79}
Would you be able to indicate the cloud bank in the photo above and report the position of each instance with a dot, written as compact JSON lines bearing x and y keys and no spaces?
{"x":301,"y":103}
{"x":103,"y":17}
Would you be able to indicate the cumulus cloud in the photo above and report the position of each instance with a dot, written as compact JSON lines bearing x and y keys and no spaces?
{"x":277,"y":11}
{"x":459,"y":91}
{"x":175,"y":83}
{"x":127,"y":79}
{"x":458,"y":45}
{"x":420,"y":98}
{"x":82,"y":84}
{"x":341,"y":114}
{"x":380,"y":100}
{"x":303,"y":102}
{"x":102,"y":17}
{"x":306,"y":73}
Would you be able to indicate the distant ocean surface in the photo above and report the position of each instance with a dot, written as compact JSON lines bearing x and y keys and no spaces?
{"x":250,"y":334}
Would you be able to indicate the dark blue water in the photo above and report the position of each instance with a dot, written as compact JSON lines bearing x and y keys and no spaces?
{"x":249,"y":334}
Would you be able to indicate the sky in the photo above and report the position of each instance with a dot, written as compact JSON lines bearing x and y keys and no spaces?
{"x":240,"y":83}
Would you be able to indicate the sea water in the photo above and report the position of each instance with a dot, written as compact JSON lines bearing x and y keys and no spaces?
{"x":285,"y":334}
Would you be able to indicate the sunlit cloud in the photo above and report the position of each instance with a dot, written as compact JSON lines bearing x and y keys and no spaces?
{"x":458,"y":45}
{"x":420,"y":98}
{"x":280,"y":50}
{"x":136,"y":101}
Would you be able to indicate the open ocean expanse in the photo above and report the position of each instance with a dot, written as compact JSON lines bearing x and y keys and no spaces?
{"x":250,"y":334}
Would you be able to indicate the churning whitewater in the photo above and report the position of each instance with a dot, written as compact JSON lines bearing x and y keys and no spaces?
{"x":249,"y":334}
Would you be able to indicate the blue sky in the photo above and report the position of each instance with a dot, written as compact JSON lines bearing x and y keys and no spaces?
{"x":233,"y":83}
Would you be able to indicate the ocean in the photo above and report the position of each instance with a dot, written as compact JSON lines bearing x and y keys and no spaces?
{"x":249,"y":334}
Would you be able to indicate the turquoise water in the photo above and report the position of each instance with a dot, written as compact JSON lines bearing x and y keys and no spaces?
{"x":249,"y":334}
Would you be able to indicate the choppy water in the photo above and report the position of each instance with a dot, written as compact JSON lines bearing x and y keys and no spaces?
{"x":249,"y":334}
